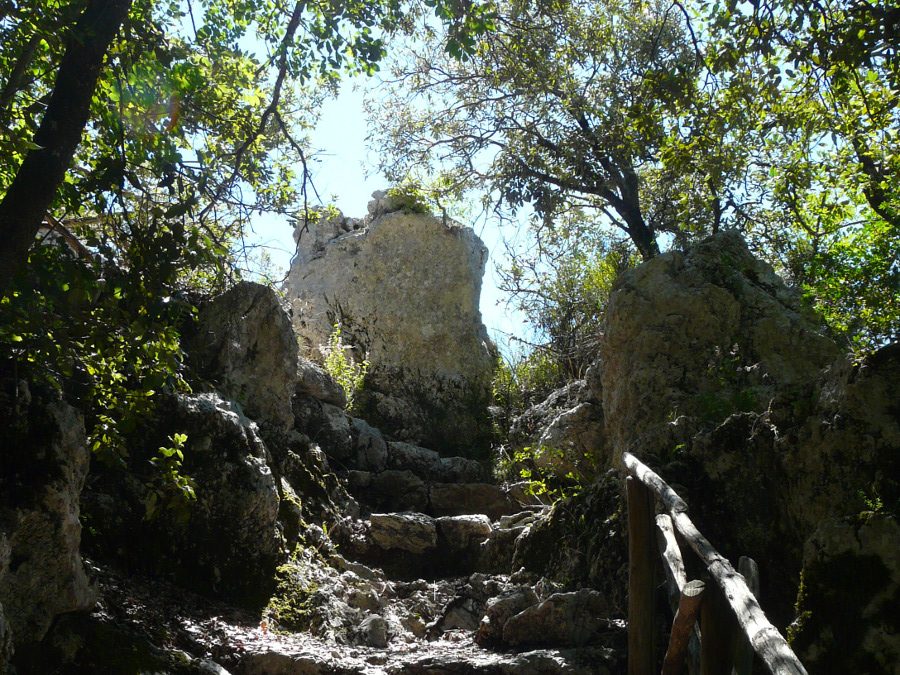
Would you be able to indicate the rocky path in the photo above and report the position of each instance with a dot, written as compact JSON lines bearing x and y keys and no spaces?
{"x":421,"y":583}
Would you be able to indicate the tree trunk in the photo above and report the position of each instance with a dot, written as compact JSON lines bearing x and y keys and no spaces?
{"x":641,"y":234}
{"x":40,"y":175}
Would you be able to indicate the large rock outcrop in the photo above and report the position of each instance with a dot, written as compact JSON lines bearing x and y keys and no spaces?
{"x":711,"y":371}
{"x":225,"y":543}
{"x":43,"y":463}
{"x":405,"y":288}
{"x":245,"y":347}
{"x":691,"y":338}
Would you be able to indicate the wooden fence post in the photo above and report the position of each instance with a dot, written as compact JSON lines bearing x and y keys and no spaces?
{"x":673,"y":563}
{"x":741,"y":608}
{"x":743,"y":650}
{"x":716,"y":634}
{"x":683,"y":627}
{"x":641,"y":589}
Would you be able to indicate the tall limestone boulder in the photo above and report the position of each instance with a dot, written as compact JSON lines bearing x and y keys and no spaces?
{"x":405,"y":288}
{"x":43,"y":463}
{"x":243,"y":343}
{"x":691,"y":338}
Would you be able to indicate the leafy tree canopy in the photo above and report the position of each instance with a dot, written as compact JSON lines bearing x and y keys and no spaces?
{"x":666,"y":121}
{"x":150,"y":131}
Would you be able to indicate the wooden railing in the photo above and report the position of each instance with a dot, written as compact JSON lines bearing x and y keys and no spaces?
{"x":732,"y":624}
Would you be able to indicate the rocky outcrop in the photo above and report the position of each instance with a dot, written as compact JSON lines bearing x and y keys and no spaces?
{"x":501,"y":609}
{"x":405,"y":288}
{"x":410,"y":532}
{"x":846,"y":454}
{"x":711,"y":371}
{"x":690,"y":338}
{"x":226,"y":542}
{"x":847,"y":618}
{"x":565,"y":433}
{"x":581,"y":543}
{"x":44,"y":464}
{"x":245,"y":347}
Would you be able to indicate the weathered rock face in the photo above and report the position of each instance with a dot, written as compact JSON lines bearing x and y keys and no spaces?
{"x":44,"y":464}
{"x":848,"y":607}
{"x":691,"y":338}
{"x":847,"y":452}
{"x":711,"y":373}
{"x":245,"y":345}
{"x":565,"y":431}
{"x":581,"y":542}
{"x":227,"y":542}
{"x":405,"y":289}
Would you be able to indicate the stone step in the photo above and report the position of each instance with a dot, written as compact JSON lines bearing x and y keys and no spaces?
{"x":476,"y":624}
{"x":403,"y":490}
{"x":412,"y":545}
{"x":430,"y":466}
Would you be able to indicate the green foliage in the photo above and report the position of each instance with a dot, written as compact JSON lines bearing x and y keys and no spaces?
{"x":341,"y":365}
{"x":669,"y":122}
{"x":104,"y":335}
{"x":293,"y":605}
{"x":802,"y":614}
{"x":854,"y":283}
{"x":872,"y":500}
{"x":190,"y":132}
{"x":530,"y":464}
{"x":410,"y":196}
{"x":564,"y":105}
{"x":520,"y":383}
{"x":813,"y":87}
{"x":562,"y":285}
{"x":174,"y":491}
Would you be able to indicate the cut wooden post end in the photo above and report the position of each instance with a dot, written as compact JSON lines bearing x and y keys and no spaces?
{"x":683,"y":627}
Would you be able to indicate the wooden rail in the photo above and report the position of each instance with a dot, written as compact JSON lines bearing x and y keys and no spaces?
{"x":731,"y":620}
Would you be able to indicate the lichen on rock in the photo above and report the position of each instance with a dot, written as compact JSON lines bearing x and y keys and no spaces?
{"x":404,"y":287}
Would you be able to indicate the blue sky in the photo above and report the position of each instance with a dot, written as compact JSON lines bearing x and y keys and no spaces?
{"x":340,"y":177}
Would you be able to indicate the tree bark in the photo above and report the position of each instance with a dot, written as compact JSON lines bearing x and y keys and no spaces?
{"x":36,"y":183}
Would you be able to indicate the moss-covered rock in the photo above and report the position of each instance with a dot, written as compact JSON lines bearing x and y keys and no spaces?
{"x":582,"y":543}
{"x":227,"y":542}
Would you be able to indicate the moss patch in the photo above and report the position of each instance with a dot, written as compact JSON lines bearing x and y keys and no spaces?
{"x":293,"y":605}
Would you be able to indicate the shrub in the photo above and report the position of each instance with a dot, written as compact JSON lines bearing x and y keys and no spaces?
{"x":341,"y":365}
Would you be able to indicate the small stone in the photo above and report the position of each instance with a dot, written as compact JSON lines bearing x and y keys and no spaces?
{"x":313,"y":380}
{"x":562,"y":620}
{"x":412,"y":532}
{"x":374,"y":631}
{"x":498,"y":612}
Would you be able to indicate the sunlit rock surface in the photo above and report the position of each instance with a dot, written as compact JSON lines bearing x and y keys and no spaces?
{"x":405,"y":288}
